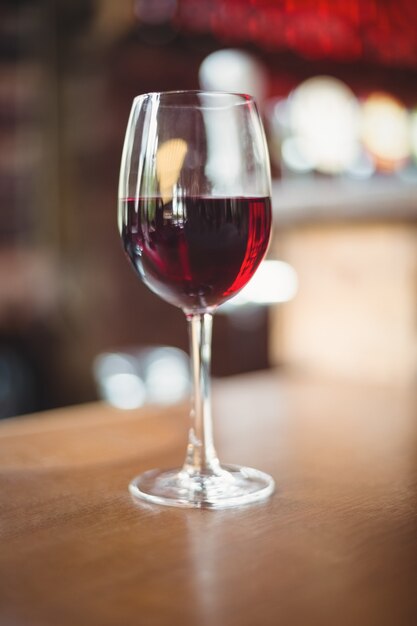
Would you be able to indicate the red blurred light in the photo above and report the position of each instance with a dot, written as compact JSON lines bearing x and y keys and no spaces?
{"x":335,"y":29}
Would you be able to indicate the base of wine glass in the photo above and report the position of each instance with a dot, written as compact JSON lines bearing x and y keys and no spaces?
{"x":231,"y":486}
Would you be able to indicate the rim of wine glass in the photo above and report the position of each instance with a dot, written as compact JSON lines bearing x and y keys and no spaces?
{"x":245,"y":98}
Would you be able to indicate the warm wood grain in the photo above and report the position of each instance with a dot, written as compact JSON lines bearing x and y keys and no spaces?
{"x":336,"y":545}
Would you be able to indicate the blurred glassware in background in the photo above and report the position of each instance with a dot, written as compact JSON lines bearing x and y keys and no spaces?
{"x":131,"y":379}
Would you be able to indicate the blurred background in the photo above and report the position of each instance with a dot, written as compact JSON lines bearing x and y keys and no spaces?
{"x":336,"y":83}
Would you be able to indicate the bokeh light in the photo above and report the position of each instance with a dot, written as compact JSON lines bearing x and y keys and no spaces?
{"x":324,"y":121}
{"x":158,"y":375}
{"x":233,"y":70}
{"x":386,"y":131}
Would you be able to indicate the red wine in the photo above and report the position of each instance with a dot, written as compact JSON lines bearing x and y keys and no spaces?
{"x":196,"y":252}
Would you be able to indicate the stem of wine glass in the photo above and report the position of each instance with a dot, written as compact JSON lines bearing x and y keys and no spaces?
{"x":201,"y":458}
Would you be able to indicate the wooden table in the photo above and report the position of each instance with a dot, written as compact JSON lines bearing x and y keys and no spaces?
{"x":336,"y":544}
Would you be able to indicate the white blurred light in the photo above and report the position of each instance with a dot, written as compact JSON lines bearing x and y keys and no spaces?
{"x":158,"y":375}
{"x":274,"y":282}
{"x":281,"y":116}
{"x":124,"y":391}
{"x":167,"y":376}
{"x":233,"y":70}
{"x":114,"y":363}
{"x":293,"y":155}
{"x":386,"y":130}
{"x":118,"y":380}
{"x":324,"y":118}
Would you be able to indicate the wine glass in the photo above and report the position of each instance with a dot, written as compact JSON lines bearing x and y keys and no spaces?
{"x":195,"y":220}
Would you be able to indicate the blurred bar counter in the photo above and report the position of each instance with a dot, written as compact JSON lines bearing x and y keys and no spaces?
{"x":336,"y":544}
{"x":354,"y":248}
{"x":313,"y":200}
